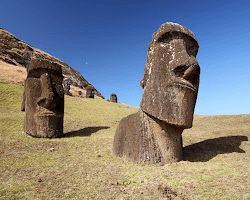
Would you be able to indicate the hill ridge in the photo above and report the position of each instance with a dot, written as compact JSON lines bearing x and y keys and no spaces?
{"x":19,"y":53}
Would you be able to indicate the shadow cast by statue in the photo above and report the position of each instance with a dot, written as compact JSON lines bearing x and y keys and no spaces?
{"x":85,"y":131}
{"x":208,"y":149}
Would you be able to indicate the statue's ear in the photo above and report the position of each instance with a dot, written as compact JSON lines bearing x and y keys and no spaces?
{"x":145,"y":77}
{"x":24,"y":97}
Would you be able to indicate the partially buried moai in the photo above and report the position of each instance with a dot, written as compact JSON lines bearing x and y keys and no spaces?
{"x":170,"y":85}
{"x":113,"y":98}
{"x":43,"y":99}
{"x":90,"y":91}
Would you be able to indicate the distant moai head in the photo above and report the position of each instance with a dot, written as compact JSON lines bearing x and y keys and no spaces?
{"x":43,"y":100}
{"x":66,"y":87}
{"x":171,"y":76}
{"x":113,"y":98}
{"x":90,"y":91}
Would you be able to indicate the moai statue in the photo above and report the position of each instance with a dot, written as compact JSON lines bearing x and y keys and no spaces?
{"x":170,"y":85}
{"x":66,"y":87}
{"x":90,"y":91}
{"x":113,"y":98}
{"x":43,"y":99}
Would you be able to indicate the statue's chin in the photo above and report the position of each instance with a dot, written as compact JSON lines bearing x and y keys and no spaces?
{"x":180,"y":106}
{"x":184,"y":124}
{"x":175,"y":107}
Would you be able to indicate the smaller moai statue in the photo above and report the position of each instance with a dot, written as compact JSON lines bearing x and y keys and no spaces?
{"x":113,"y":98}
{"x":43,"y":99}
{"x":90,"y":91}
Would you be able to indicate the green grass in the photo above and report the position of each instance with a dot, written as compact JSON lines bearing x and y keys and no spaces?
{"x":216,"y":163}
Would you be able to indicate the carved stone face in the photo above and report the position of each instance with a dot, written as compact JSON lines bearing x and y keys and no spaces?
{"x":113,"y":98}
{"x":90,"y":92}
{"x":171,"y":76}
{"x":43,"y":99}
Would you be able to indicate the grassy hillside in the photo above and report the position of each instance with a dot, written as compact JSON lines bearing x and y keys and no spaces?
{"x":80,"y":165}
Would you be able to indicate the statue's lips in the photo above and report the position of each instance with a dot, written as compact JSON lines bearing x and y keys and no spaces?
{"x":185,"y":84}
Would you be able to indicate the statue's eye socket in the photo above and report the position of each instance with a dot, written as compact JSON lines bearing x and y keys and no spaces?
{"x":190,"y":43}
{"x":192,"y":50}
{"x":164,"y":39}
{"x":34,"y":74}
{"x":55,"y":76}
{"x":56,"y":79}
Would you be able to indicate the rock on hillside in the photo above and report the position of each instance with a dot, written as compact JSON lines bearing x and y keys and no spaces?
{"x":16,"y":52}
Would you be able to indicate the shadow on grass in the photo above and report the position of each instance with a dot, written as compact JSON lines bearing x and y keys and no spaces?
{"x":85,"y":131}
{"x":208,"y":149}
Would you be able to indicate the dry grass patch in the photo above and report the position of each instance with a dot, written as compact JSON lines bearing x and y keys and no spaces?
{"x":80,"y":165}
{"x":12,"y":73}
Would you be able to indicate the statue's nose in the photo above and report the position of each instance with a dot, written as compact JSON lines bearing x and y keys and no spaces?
{"x":188,"y":70}
{"x":47,"y":99}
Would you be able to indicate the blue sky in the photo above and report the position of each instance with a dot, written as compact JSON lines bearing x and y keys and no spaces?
{"x":107,"y":41}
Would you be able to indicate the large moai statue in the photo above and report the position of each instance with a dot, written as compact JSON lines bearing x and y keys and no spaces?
{"x":170,"y":85}
{"x":90,"y":91}
{"x":43,"y":99}
{"x":113,"y":98}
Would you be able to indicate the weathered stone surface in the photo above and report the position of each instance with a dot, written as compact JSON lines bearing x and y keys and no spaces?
{"x":113,"y":98}
{"x":170,"y":85}
{"x":16,"y":52}
{"x":90,"y":92}
{"x":141,"y":138}
{"x":43,"y":99}
{"x":171,"y":76}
